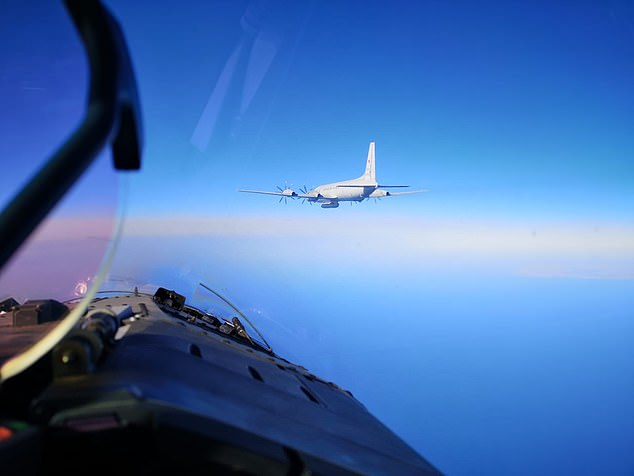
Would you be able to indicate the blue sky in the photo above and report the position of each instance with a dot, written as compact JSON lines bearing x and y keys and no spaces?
{"x":501,"y":108}
{"x":491,"y":317}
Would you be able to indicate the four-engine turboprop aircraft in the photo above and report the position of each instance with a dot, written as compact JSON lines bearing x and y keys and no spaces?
{"x":355,"y":190}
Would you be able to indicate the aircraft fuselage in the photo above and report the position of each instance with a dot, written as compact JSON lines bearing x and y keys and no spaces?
{"x":346,"y":191}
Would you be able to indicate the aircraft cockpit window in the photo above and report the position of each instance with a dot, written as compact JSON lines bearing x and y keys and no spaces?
{"x":44,"y":88}
{"x":464,"y":166}
{"x":60,"y":227}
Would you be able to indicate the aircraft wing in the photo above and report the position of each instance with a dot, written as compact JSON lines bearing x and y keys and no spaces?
{"x":279,"y":194}
{"x":360,"y":185}
{"x":406,"y":193}
{"x":287,"y":195}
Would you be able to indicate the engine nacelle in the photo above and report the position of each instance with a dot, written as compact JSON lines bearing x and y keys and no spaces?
{"x":379,"y":193}
{"x":330,"y":205}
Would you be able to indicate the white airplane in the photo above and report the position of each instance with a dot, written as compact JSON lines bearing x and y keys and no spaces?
{"x":355,"y":190}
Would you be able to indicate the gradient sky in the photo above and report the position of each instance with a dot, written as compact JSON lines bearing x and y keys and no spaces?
{"x":489,"y":322}
{"x":522,"y":109}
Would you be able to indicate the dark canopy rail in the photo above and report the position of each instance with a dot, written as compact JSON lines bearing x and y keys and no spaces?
{"x":112,"y":117}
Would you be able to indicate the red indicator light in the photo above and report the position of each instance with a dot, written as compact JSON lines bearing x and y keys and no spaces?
{"x":5,"y":433}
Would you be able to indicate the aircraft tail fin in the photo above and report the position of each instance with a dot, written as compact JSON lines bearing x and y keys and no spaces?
{"x":370,"y":166}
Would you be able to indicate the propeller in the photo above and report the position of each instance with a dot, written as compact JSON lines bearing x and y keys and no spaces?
{"x":282,"y":189}
{"x":286,"y":192}
{"x":304,"y":190}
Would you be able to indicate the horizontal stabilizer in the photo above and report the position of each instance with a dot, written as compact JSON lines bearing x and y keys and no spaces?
{"x":407,"y":193}
{"x":356,"y":185}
